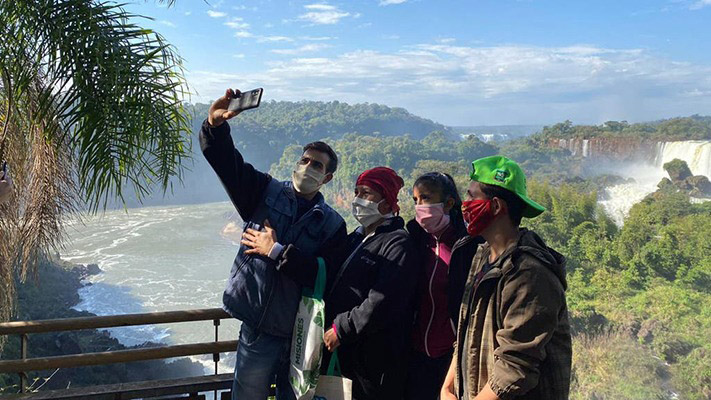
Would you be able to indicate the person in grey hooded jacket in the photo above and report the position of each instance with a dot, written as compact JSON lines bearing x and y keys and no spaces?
{"x":513,"y":338}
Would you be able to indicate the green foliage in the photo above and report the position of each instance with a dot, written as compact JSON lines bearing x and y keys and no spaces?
{"x":574,"y":224}
{"x":692,"y":375}
{"x":684,"y":128}
{"x":89,"y":78}
{"x":613,"y":366}
{"x":649,"y":280}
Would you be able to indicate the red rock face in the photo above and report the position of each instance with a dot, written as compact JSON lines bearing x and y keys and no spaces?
{"x":618,"y":149}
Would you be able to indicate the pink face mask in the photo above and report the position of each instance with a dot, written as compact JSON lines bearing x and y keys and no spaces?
{"x":432,"y":217}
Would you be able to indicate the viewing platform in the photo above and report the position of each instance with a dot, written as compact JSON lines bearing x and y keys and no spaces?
{"x":186,"y":388}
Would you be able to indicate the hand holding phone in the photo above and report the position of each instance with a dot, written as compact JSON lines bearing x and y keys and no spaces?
{"x":245,"y":100}
{"x":231,"y":104}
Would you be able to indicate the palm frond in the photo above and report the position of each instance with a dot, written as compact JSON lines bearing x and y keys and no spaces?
{"x":113,"y":88}
{"x":90,"y":103}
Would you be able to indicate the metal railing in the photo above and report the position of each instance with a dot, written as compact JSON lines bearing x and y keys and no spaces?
{"x":25,"y":365}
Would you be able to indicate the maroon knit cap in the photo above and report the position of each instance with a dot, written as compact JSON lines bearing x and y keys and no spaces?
{"x":384,"y":181}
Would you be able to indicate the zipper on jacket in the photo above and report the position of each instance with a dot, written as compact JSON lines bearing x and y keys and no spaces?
{"x":429,"y":324}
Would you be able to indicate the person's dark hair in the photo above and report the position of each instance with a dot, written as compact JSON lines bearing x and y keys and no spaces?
{"x":514,"y":203}
{"x":445,"y":186}
{"x":324,"y":148}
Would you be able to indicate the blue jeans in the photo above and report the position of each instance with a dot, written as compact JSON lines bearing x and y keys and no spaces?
{"x":262,"y":359}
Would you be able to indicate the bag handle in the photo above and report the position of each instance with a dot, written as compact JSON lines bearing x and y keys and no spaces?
{"x":320,"y":285}
{"x":334,"y":366}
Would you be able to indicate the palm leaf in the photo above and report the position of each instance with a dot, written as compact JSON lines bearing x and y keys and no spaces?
{"x":90,"y":103}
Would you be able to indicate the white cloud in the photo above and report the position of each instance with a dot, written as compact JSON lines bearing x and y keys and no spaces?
{"x":700,"y":4}
{"x":216,"y":14}
{"x":323,"y":14}
{"x":390,"y":2}
{"x":237,"y":55}
{"x":167,"y":23}
{"x":188,"y":13}
{"x":237,"y":23}
{"x":263,"y":39}
{"x":321,"y":7}
{"x":489,"y":85}
{"x":308,"y":48}
{"x":243,"y":34}
{"x":317,"y":38}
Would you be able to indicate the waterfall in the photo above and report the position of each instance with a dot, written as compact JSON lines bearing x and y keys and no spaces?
{"x":696,"y":153}
{"x":618,"y":199}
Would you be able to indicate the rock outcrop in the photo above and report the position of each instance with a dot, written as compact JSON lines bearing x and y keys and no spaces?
{"x":682,"y":180}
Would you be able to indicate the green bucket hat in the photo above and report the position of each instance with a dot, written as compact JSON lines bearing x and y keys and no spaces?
{"x":505,"y":173}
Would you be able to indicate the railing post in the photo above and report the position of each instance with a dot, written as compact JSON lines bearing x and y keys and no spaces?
{"x":216,"y":356}
{"x":23,"y":355}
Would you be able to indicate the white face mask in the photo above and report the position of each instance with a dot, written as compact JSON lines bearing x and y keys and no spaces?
{"x":306,"y":179}
{"x":366,"y":212}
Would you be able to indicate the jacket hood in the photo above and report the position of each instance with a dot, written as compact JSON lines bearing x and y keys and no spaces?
{"x":530,"y":243}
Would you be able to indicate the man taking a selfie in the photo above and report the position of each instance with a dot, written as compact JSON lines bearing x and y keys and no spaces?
{"x":263,"y":299}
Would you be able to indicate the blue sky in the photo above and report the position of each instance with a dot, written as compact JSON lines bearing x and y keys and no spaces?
{"x":457,"y":62}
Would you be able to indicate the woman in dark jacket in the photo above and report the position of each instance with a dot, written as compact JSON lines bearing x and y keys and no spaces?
{"x":438,"y":231}
{"x":370,"y":289}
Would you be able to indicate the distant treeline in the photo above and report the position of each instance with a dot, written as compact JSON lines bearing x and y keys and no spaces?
{"x":263,"y":133}
{"x":695,"y":127}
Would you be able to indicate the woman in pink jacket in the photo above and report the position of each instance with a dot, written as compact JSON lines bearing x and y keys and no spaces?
{"x":440,"y":235}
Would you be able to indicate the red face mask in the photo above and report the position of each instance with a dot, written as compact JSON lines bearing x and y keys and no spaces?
{"x":478,"y":215}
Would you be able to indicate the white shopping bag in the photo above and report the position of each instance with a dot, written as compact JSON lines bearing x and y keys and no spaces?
{"x":307,"y":339}
{"x":333,"y":386}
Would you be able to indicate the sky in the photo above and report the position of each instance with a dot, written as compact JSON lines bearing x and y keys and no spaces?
{"x":495,"y":62}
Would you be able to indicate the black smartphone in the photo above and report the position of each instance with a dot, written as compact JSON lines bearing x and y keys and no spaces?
{"x":246,"y":100}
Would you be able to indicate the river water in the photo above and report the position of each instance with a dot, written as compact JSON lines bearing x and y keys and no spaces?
{"x":157,"y":259}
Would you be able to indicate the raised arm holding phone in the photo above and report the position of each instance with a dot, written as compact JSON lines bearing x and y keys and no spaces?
{"x":264,"y":300}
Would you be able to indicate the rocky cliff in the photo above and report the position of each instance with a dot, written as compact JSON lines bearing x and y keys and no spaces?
{"x":618,"y":149}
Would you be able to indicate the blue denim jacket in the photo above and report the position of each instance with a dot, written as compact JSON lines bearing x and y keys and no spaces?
{"x":256,"y":293}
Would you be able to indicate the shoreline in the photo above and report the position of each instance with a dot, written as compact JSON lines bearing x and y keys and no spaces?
{"x":53,"y":295}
